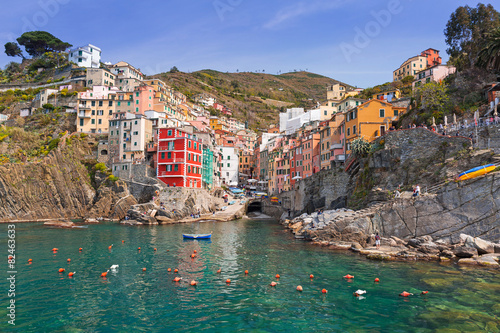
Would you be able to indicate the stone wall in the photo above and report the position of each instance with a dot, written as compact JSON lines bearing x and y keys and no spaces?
{"x":141,"y":180}
{"x":327,"y":189}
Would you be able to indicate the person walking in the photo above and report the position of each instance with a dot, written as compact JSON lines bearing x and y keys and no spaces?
{"x":377,"y":241}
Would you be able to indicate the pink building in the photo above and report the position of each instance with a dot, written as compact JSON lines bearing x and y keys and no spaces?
{"x":310,"y":150}
{"x":436,"y":73}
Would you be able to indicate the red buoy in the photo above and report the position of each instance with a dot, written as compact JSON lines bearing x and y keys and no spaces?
{"x":246,"y":272}
{"x":104,"y":274}
{"x":311,"y":276}
{"x":219,"y":270}
{"x":71,"y":274}
{"x":61,"y":270}
{"x":80,"y":249}
{"x":155,"y":249}
{"x":193,"y":283}
{"x":138,"y":249}
{"x":377,"y":280}
{"x":277,"y":276}
{"x":424,"y":292}
{"x":169,"y":269}
{"x":299,"y":288}
{"x":176,"y":270}
{"x":144,"y":269}
{"x":30,"y":260}
{"x":324,"y":291}
{"x":195,"y":251}
{"x":273,"y":284}
{"x":228,"y":281}
{"x":69,"y":260}
{"x":349,"y":276}
{"x":405,"y":294}
{"x":177,"y":279}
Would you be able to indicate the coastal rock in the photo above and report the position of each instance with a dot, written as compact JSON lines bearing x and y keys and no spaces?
{"x":59,"y":224}
{"x":465,"y":252}
{"x":481,"y":245}
{"x":356,"y":247}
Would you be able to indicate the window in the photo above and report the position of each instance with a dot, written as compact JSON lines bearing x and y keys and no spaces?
{"x":395,"y":113}
{"x":228,"y":157}
{"x":348,"y":131}
{"x":169,"y":133}
{"x":93,"y":121}
{"x":189,"y":144}
{"x":135,"y":143}
{"x":382,"y":130}
{"x":195,"y":146}
{"x":169,"y":168}
{"x":176,"y":167}
{"x":93,"y":112}
{"x":354,"y":129}
{"x":189,"y":156}
{"x":381,"y":113}
{"x":162,"y":156}
{"x":169,"y":155}
{"x":229,"y":165}
{"x":99,"y":121}
{"x":110,"y":103}
{"x":135,"y":122}
{"x":100,"y":112}
{"x":189,"y":169}
{"x":100,"y":103}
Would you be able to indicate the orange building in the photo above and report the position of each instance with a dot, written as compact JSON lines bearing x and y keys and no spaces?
{"x":370,"y":120}
{"x":432,"y":56}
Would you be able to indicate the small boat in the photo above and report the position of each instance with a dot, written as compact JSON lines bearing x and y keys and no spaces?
{"x":479,"y":171}
{"x":197,"y":236}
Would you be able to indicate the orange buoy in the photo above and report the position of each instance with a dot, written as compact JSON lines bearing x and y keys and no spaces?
{"x":55,"y":249}
{"x":123,"y":241}
{"x":155,"y":249}
{"x":144,"y":269}
{"x":273,"y":284}
{"x":377,"y":280}
{"x":277,"y":276}
{"x":246,"y":272}
{"x":228,"y":281}
{"x":299,"y":288}
{"x":176,"y":270}
{"x":193,"y":255}
{"x":71,"y":274}
{"x":348,"y":276}
{"x":61,"y":270}
{"x":30,"y":260}
{"x":324,"y":291}
{"x":405,"y":294}
{"x":138,"y":248}
{"x":80,"y":249}
{"x":168,"y":250}
{"x":109,"y":247}
{"x":69,"y":260}
{"x":219,"y":270}
{"x":104,"y":274}
{"x":311,"y":276}
{"x":424,"y":292}
{"x":195,"y":251}
{"x":177,"y":279}
{"x":169,"y":269}
{"x":193,"y":283}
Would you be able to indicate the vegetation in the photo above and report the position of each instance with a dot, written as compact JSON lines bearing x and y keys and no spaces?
{"x":13,"y":50}
{"x":467,"y":33}
{"x":489,"y":56}
{"x":36,"y":43}
{"x":360,"y":147}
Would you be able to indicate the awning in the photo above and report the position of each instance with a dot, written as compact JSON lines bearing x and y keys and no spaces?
{"x":252,"y":180}
{"x":262,"y":182}
{"x":297,"y":178}
{"x":233,"y":184}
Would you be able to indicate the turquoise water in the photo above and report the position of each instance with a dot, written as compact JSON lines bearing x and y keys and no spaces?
{"x":135,"y":301}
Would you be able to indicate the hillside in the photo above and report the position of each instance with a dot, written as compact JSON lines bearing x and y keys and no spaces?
{"x":256,"y":97}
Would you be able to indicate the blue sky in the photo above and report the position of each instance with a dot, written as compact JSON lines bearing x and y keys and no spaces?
{"x":357,"y":42}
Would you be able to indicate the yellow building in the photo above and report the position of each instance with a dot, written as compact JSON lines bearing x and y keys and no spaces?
{"x":370,"y":120}
{"x":388,"y":95}
{"x":94,"y":109}
{"x":410,"y":67}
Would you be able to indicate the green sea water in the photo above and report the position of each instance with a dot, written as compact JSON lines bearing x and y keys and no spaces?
{"x":130,"y":300}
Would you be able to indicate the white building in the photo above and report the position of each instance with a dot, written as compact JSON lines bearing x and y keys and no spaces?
{"x":295,"y":118}
{"x":86,"y":56}
{"x":229,"y":165}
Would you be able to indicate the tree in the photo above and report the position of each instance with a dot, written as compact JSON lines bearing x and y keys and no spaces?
{"x":466,"y":33}
{"x":407,"y":79}
{"x":37,"y":43}
{"x":13,"y":50}
{"x":174,"y":69}
{"x":489,"y":57}
{"x":433,"y":95}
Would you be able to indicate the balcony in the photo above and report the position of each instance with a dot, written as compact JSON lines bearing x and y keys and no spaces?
{"x":83,"y":106}
{"x":130,"y":149}
{"x":336,"y":146}
{"x":340,"y":157}
{"x":83,"y":115}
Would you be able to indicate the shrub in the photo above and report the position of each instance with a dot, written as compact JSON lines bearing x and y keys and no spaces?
{"x":101,"y":167}
{"x":53,"y":143}
{"x":360,"y":147}
{"x":113,"y":178}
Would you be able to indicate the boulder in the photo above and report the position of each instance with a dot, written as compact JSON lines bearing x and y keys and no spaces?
{"x":59,"y":224}
{"x":356,"y":247}
{"x":465,"y":252}
{"x":91,"y":220}
{"x":481,"y":245}
{"x":147,"y":220}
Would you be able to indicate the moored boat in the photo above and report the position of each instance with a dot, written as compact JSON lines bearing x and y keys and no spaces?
{"x":475,"y":172}
{"x":197,"y":236}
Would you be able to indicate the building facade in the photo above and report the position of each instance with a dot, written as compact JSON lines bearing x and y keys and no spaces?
{"x":86,"y":56}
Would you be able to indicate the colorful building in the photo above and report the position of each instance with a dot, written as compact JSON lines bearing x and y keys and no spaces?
{"x":95,"y":109}
{"x":207,"y":173}
{"x":410,"y":67}
{"x":436,"y":73}
{"x":432,"y":56}
{"x":179,"y":158}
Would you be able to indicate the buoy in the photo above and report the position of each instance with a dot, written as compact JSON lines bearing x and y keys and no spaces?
{"x":246,"y":272}
{"x":123,"y":241}
{"x":299,"y":288}
{"x":324,"y":291}
{"x":169,"y":270}
{"x":71,"y":274}
{"x":228,"y":281}
{"x":193,"y":255}
{"x":195,"y":251}
{"x":69,"y":259}
{"x":405,"y":294}
{"x":176,"y":270}
{"x":273,"y":284}
{"x":348,"y":276}
{"x":30,"y":260}
{"x":193,"y":283}
{"x":424,"y":292}
{"x":377,"y":280}
{"x":177,"y":279}
{"x":359,"y":292}
{"x":277,"y":276}
{"x":168,"y":250}
{"x":109,"y":247}
{"x":155,"y":249}
{"x":144,"y":269}
{"x":61,"y":270}
{"x":80,"y":249}
{"x":55,"y":249}
{"x":104,"y":274}
{"x":138,"y":249}
{"x":219,"y":270}
{"x":311,"y":276}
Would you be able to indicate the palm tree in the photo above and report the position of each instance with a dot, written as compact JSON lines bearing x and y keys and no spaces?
{"x":489,"y":56}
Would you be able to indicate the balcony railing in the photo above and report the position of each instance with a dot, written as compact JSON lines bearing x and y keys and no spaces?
{"x":83,"y":115}
{"x":83,"y":106}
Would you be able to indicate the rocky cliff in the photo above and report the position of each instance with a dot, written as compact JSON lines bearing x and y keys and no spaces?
{"x":60,"y":186}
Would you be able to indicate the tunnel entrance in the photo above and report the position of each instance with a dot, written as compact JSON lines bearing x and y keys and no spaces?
{"x":255,"y":206}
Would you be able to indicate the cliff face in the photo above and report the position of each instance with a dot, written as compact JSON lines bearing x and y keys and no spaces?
{"x":57,"y":187}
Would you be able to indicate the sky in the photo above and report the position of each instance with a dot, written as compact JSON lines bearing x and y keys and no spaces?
{"x":357,"y":42}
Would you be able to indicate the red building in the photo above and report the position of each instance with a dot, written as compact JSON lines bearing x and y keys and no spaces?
{"x":432,"y":56}
{"x":179,"y":158}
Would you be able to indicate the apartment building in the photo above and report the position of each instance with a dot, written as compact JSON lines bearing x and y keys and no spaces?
{"x":86,"y":56}
{"x":95,"y":108}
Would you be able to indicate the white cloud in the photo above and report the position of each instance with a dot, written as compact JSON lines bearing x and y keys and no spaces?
{"x":301,"y":9}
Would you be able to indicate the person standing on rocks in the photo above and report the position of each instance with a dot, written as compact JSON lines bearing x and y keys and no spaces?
{"x":377,"y":241}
